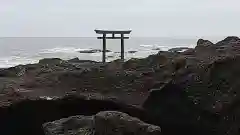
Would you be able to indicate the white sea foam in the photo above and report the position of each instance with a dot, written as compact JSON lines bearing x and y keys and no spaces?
{"x":155,"y":47}
{"x":163,"y":48}
{"x":72,"y":52}
{"x":144,"y":45}
{"x":11,"y":61}
{"x":183,"y":50}
{"x":64,"y":50}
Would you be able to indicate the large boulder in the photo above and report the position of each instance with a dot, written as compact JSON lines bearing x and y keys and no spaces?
{"x":205,"y":48}
{"x":230,"y":45}
{"x":51,"y":61}
{"x":103,"y":123}
{"x":228,"y":41}
{"x":203,"y":99}
{"x":76,"y":125}
{"x":201,"y":43}
{"x":117,"y":123}
{"x":204,"y":43}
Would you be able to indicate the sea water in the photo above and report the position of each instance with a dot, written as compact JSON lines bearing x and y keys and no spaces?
{"x":26,"y":50}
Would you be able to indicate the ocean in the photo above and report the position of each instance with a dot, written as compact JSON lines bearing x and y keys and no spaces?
{"x":26,"y":50}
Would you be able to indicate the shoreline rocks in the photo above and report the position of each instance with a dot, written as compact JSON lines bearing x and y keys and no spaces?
{"x":202,"y":42}
{"x":191,"y":92}
{"x":179,"y":49}
{"x":93,"y":51}
{"x":203,"y":97}
{"x":103,"y":123}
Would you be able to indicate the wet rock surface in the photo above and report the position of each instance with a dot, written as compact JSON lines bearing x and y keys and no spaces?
{"x":103,"y":123}
{"x":190,"y":92}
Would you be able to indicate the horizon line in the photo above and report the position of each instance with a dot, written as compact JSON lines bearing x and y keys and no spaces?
{"x":96,"y":36}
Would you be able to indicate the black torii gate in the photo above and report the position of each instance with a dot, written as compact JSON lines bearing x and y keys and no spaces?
{"x":113,"y":33}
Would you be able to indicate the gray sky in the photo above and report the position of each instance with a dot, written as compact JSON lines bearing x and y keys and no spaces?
{"x":145,"y":17}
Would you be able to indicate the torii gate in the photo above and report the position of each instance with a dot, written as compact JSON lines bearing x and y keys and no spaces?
{"x":104,"y":37}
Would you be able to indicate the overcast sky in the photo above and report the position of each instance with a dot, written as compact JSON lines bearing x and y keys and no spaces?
{"x":145,"y":17}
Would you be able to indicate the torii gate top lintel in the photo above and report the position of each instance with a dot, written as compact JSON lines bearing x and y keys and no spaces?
{"x":112,"y":32}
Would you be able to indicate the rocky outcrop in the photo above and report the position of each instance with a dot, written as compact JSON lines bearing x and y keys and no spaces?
{"x":26,"y":116}
{"x":51,"y":61}
{"x":202,"y":42}
{"x":13,"y":71}
{"x":77,"y":125}
{"x":103,"y":123}
{"x":228,"y":41}
{"x":202,"y":98}
{"x":190,"y":92}
{"x":203,"y":49}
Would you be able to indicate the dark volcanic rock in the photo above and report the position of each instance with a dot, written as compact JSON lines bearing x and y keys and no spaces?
{"x":172,"y":110}
{"x":132,"y":63}
{"x":77,"y":60}
{"x":13,"y":71}
{"x":229,"y":40}
{"x":77,"y":125}
{"x":203,"y":99}
{"x":112,"y":123}
{"x":192,"y":92}
{"x":179,"y":63}
{"x":74,"y":60}
{"x":157,"y":60}
{"x":26,"y":116}
{"x":50,"y":61}
{"x":93,"y":51}
{"x":103,"y":123}
{"x":202,"y":42}
{"x":132,"y":51}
